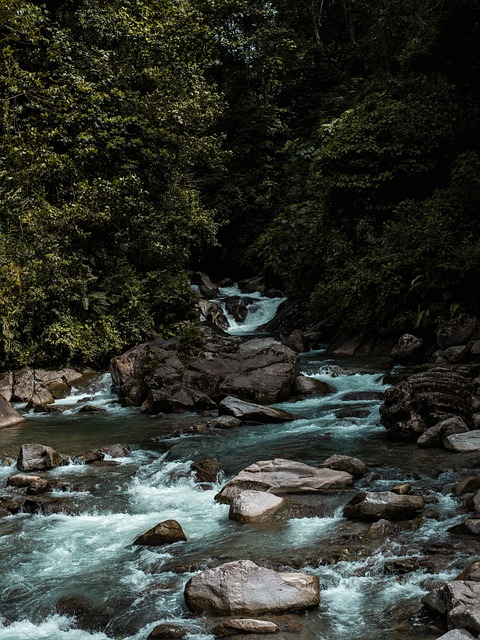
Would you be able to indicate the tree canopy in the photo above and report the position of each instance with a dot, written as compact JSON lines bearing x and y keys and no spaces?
{"x":332,"y":144}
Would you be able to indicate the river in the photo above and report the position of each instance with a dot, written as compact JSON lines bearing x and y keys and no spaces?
{"x":367,"y":590}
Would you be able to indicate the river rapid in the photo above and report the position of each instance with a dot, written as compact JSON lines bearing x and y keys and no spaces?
{"x":370,"y":587}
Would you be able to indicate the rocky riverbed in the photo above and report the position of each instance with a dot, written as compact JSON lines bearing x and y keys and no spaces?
{"x":123,"y":522}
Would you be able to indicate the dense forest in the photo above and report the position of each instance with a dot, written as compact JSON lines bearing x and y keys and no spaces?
{"x":332,"y":145}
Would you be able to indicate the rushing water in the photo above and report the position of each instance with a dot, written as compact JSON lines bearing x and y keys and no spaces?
{"x":47,"y":557}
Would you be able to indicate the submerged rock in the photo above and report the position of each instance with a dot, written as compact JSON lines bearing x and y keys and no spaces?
{"x":243,"y":588}
{"x":167,"y":632}
{"x":281,"y":477}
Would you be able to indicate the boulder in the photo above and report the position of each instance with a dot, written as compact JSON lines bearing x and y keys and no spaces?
{"x":23,"y":385}
{"x":21,"y":480}
{"x":176,"y":399}
{"x":8,"y":415}
{"x":306,"y":386}
{"x":294,"y":341}
{"x":457,"y":331}
{"x":206,"y":470}
{"x":383,"y":504}
{"x":457,"y":634}
{"x":434,"y":436}
{"x":407,"y":349}
{"x":6,"y":385}
{"x":225,"y":422}
{"x":213,"y":312}
{"x":380,"y":529}
{"x":424,"y":399}
{"x":165,"y":532}
{"x":254,"y":506}
{"x":261,"y":370}
{"x":234,"y":626}
{"x":253,"y":285}
{"x":243,"y":588}
{"x":117,"y":450}
{"x":460,"y":601}
{"x":463,"y":442}
{"x":470,"y":526}
{"x":238,"y":307}
{"x":206,"y":287}
{"x":281,"y":477}
{"x":38,"y":457}
{"x":470,"y":484}
{"x":250,"y":412}
{"x":37,"y":487}
{"x":354,"y":466}
{"x":167,"y":632}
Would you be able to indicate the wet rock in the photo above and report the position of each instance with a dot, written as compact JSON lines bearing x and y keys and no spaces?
{"x":40,"y":397}
{"x":8,"y":415}
{"x":225,"y":422}
{"x":470,"y":526}
{"x":407,"y":349}
{"x":213,"y":312}
{"x":354,"y":466}
{"x":281,"y":477}
{"x":463,"y":442}
{"x":456,"y":355}
{"x":352,"y":412}
{"x":74,"y":606}
{"x":254,"y":506}
{"x":6,"y":385}
{"x":88,"y":457}
{"x":38,"y":486}
{"x":91,"y":409}
{"x":434,"y":436}
{"x":176,"y":399}
{"x":166,"y":532}
{"x":21,"y":480}
{"x":206,"y":287}
{"x":460,"y":601}
{"x":250,"y":412}
{"x":472,"y":572}
{"x":253,"y":285}
{"x":243,"y":588}
{"x":244,"y":625}
{"x":384,"y":504}
{"x":306,"y":386}
{"x":457,"y":331}
{"x":117,"y":450}
{"x":423,"y":400}
{"x":38,"y":457}
{"x":474,"y":503}
{"x":362,"y":395}
{"x":381,"y":528}
{"x":402,"y":489}
{"x":294,"y":341}
{"x":167,"y":632}
{"x":206,"y":470}
{"x":457,"y":634}
{"x":467,"y":485}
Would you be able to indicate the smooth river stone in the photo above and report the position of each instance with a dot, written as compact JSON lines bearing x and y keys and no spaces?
{"x":254,"y":506}
{"x":463,"y":442}
{"x":244,"y":625}
{"x":243,"y":588}
{"x":281,"y":476}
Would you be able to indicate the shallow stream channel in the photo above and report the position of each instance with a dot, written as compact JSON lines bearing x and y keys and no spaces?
{"x":371,"y":587}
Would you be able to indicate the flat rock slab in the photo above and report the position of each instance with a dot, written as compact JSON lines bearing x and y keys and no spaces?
{"x":243,"y":588}
{"x":254,"y":506}
{"x":251,"y":412}
{"x":244,"y":625}
{"x":463,"y":442}
{"x":281,"y":477}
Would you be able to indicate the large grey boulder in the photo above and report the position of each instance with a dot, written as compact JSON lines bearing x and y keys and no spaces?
{"x":424,"y":399}
{"x":243,"y":588}
{"x":463,"y":442}
{"x":38,"y":457}
{"x":282,"y":477}
{"x":8,"y":415}
{"x":254,"y":506}
{"x":383,"y":504}
{"x":251,"y":412}
{"x":261,"y":370}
